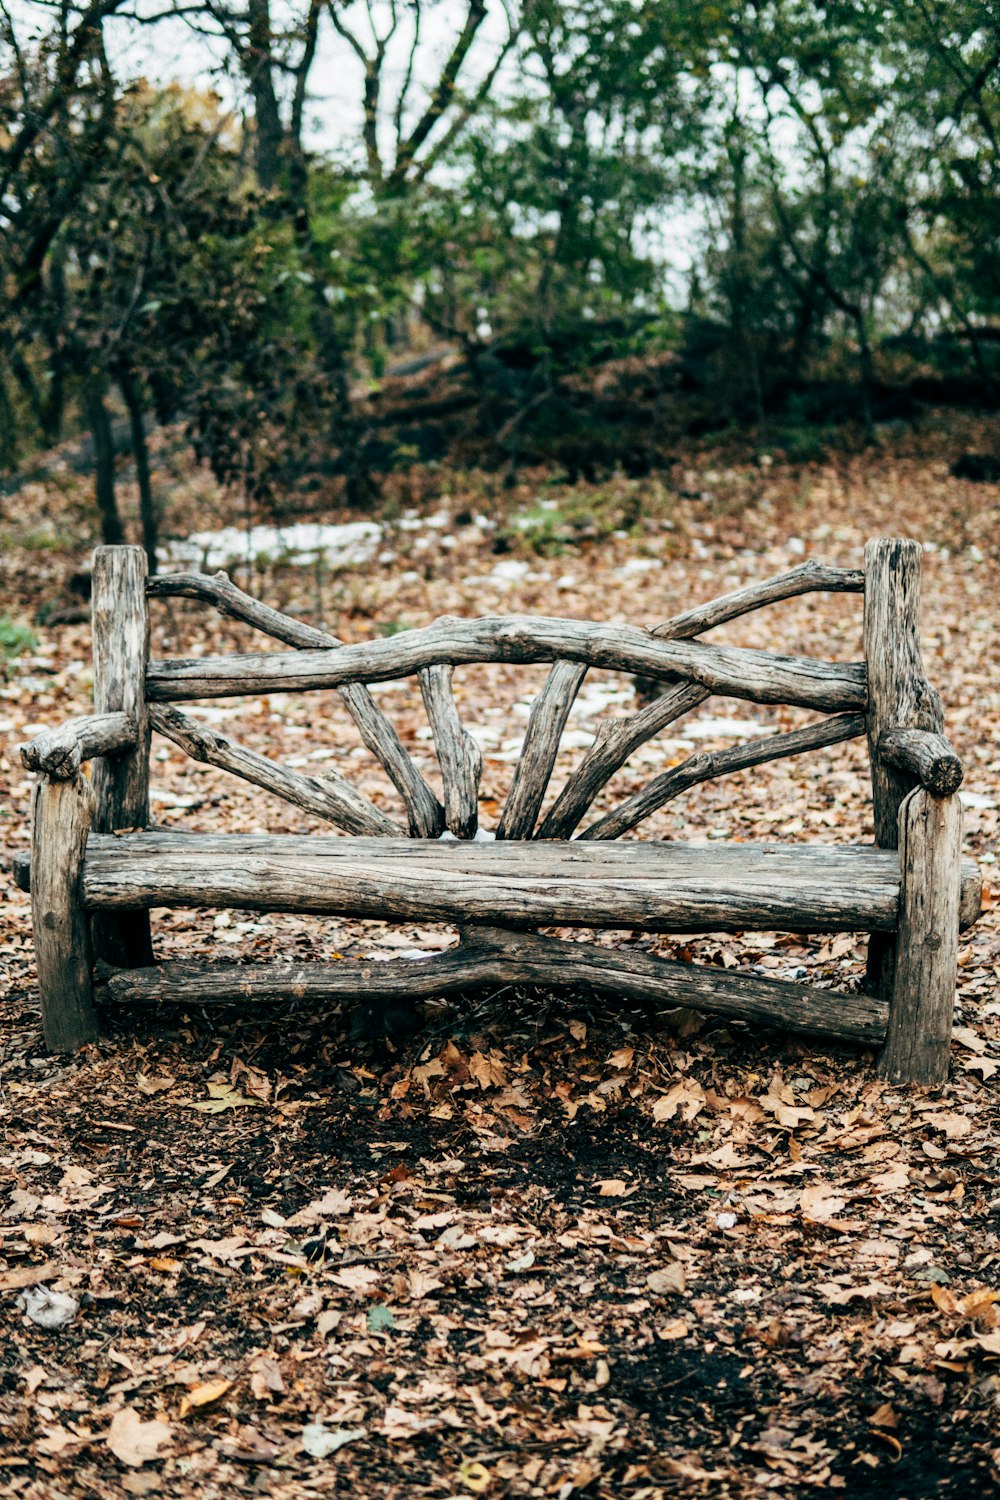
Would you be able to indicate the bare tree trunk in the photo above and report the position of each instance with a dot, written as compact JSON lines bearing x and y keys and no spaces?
{"x":140,"y":451}
{"x":112,"y":531}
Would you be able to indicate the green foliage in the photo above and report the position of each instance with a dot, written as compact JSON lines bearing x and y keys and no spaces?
{"x":15,"y":637}
{"x":773,"y":194}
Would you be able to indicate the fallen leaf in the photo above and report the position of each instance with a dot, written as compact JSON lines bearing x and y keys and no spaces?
{"x":223,"y":1096}
{"x":135,"y":1442}
{"x":668,"y":1280}
{"x":203,"y":1395}
{"x":27,"y":1276}
{"x":147,"y":1084}
{"x":686,"y":1097}
{"x":321,"y":1442}
{"x":611,"y":1187}
{"x":676,"y":1328}
{"x":475,"y":1476}
{"x":819,"y":1203}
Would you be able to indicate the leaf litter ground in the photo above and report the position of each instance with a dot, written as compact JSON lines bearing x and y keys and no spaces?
{"x":524,"y":1244}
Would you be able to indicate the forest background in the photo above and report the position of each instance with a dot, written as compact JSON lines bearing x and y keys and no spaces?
{"x":329,"y":242}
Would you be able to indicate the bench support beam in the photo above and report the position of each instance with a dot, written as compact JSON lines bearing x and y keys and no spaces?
{"x":922,"y":998}
{"x":61,"y":816}
{"x":495,"y":956}
{"x":120,"y":624}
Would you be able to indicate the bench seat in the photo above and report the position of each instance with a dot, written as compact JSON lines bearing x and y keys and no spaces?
{"x":658,"y":886}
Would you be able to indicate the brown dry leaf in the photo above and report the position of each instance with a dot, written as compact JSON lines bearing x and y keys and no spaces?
{"x":154,"y":1084}
{"x":22,"y":1276}
{"x":222,"y":1096}
{"x":974,"y":1304}
{"x":840,"y":1296}
{"x":41,"y":1234}
{"x":488,"y":1071}
{"x":686,"y":1097}
{"x":135,"y":1442}
{"x":820,"y":1203}
{"x":668,"y":1280}
{"x":203,"y":1395}
{"x":676,"y":1328}
{"x":622,"y":1060}
{"x":954,"y":1126}
{"x":611,"y":1187}
{"x":943,"y":1298}
{"x":266,"y":1378}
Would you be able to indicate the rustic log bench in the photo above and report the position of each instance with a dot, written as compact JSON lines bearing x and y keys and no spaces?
{"x":96,"y":867}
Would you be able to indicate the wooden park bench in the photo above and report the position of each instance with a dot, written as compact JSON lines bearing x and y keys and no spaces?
{"x":96,"y":867}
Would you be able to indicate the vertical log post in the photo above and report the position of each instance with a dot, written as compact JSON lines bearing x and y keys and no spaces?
{"x":899,"y":696}
{"x":120,"y":625}
{"x":922,"y":997}
{"x":62,"y":813}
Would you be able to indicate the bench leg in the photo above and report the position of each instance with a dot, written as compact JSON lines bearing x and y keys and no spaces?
{"x":922,"y":996}
{"x":61,"y":816}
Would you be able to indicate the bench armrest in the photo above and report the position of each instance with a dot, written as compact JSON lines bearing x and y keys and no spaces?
{"x":58,"y":753}
{"x":927,"y":756}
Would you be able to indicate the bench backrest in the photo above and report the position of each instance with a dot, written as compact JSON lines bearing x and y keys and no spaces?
{"x":887,"y":690}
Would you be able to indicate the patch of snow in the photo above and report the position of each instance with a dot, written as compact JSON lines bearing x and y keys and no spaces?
{"x":796,"y":546}
{"x":343,"y":546}
{"x":509,"y":570}
{"x":723,"y":729}
{"x":977,"y":799}
{"x":48,"y":1309}
{"x":392,"y":685}
{"x":637,"y":565}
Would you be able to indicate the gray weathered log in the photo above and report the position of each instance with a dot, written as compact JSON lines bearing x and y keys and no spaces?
{"x":458,"y":754}
{"x":62,"y":813}
{"x":706,"y":765}
{"x":120,"y":644}
{"x":59,"y":753}
{"x":928,"y":757}
{"x":828,"y":686}
{"x":923,"y":988}
{"x":493,"y":957}
{"x":546,"y":723}
{"x":328,"y":796}
{"x":614,"y":742}
{"x":424,"y":812}
{"x":660,"y":886}
{"x":807,"y":578}
{"x":899,"y":697}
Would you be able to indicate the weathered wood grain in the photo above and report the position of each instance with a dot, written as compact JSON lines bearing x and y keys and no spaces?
{"x":928,"y":757}
{"x":899,"y":697}
{"x":120,"y":643}
{"x":328,"y":796}
{"x":706,"y":765}
{"x":493,"y":957}
{"x":923,"y":989}
{"x":458,"y":754}
{"x":546,"y":723}
{"x":614,"y":742}
{"x":807,"y":578}
{"x":62,"y":813}
{"x":660,"y":887}
{"x":424,"y":813}
{"x":59,"y":753}
{"x":755,"y":675}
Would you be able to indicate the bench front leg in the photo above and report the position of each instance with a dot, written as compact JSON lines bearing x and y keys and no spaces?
{"x":922,"y":994}
{"x":62,"y":813}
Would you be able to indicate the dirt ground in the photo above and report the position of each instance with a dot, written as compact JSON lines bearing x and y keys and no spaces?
{"x":523,"y":1245}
